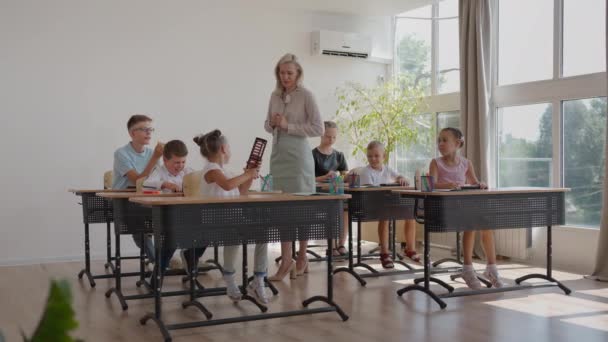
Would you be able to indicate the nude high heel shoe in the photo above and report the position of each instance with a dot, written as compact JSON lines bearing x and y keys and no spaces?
{"x":291,"y":270}
{"x":303,"y":269}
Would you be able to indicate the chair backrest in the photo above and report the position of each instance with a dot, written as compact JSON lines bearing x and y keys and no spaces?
{"x":139,"y":184}
{"x":192,"y":184}
{"x":107,"y":179}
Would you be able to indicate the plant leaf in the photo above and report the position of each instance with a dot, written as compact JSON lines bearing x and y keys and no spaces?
{"x":58,"y":317}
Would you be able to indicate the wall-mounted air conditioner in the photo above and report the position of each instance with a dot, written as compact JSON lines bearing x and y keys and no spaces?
{"x":334,"y":43}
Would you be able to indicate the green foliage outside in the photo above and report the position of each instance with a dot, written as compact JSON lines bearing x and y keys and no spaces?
{"x":385,"y":112}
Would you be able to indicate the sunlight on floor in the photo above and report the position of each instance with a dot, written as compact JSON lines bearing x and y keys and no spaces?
{"x":550,"y":305}
{"x":599,"y":322}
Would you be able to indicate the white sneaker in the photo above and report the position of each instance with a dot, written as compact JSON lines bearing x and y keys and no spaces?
{"x":257,"y":289}
{"x":470,"y":277}
{"x":493,"y":277}
{"x":175,"y":263}
{"x":232,"y":289}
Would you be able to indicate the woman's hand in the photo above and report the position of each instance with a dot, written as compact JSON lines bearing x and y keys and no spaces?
{"x":482,"y":185}
{"x":281,"y":122}
{"x":274,"y":120}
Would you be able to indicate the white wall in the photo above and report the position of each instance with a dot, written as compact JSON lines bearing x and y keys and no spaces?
{"x":72,"y":72}
{"x":574,"y":249}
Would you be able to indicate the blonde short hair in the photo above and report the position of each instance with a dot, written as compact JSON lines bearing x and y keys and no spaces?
{"x":375,"y":144}
{"x":288,"y":58}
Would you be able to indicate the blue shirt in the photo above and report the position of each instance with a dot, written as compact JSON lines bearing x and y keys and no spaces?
{"x":126,"y":159}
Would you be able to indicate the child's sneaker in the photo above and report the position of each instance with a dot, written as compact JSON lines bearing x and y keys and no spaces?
{"x":257,"y":289}
{"x":470,"y":277}
{"x":175,"y":264}
{"x":491,"y":273}
{"x":232,"y":289}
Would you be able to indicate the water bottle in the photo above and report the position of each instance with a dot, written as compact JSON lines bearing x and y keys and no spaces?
{"x":332,"y":184}
{"x":267,"y":183}
{"x":340,"y":185}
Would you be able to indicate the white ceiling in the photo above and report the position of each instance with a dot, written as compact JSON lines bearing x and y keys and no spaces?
{"x":356,"y":7}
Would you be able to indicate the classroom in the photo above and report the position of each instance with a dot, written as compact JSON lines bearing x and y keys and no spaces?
{"x":337,"y":170}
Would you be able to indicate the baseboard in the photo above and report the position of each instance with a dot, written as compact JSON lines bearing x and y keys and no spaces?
{"x":66,"y":258}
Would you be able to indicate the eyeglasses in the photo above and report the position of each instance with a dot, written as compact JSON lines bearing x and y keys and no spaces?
{"x":144,"y":129}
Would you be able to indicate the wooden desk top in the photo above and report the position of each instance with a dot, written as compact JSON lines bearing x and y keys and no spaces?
{"x":495,"y":191}
{"x":325,"y":186}
{"x":258,"y":197}
{"x":83,"y":191}
{"x":112,"y":195}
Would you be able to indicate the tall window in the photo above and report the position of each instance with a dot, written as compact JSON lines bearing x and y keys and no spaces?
{"x":426,"y":46}
{"x":427,"y":52}
{"x":525,"y":48}
{"x":525,"y":149}
{"x":584,"y":140}
{"x":419,"y":155}
{"x":584,"y":28}
{"x":550,"y":126}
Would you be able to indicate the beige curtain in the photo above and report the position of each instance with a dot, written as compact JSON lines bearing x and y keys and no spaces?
{"x":475,"y":82}
{"x":601,"y":259}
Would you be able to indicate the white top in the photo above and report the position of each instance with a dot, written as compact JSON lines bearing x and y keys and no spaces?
{"x":161,"y":175}
{"x":368,"y":175}
{"x":214,"y":190}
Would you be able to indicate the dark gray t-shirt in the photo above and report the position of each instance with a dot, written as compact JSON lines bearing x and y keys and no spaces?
{"x":328,"y":162}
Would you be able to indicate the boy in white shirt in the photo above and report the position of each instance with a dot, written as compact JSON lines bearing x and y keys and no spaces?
{"x":377,"y":173}
{"x":170,"y":175}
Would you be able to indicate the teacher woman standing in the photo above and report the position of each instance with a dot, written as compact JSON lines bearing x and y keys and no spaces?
{"x":293,"y":117}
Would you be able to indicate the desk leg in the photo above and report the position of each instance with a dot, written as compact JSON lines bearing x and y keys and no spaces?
{"x":548,"y":276}
{"x":359,"y":263}
{"x":351,"y":267}
{"x":109,"y":263}
{"x":454,"y":260}
{"x":117,"y":289}
{"x":156,"y":317}
{"x":142,"y":271}
{"x":427,"y":277}
{"x":193,"y":274}
{"x":393,"y":239}
{"x":215,"y":261}
{"x":330,"y":283}
{"x":87,"y":258}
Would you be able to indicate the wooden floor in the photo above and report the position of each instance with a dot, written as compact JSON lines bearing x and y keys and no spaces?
{"x":376,"y":312}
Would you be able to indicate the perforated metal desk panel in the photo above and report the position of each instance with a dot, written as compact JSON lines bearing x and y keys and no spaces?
{"x":489,"y":209}
{"x":256,"y":218}
{"x":96,"y":209}
{"x":445,"y":211}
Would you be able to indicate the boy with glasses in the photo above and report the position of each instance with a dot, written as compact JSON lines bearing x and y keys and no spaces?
{"x":136,"y":160}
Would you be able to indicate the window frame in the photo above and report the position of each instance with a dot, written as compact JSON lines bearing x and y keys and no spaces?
{"x":555,"y":91}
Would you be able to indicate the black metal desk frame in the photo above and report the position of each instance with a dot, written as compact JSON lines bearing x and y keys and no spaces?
{"x":463,"y":212}
{"x":242,"y":223}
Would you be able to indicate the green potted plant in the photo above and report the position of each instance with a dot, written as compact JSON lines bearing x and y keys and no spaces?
{"x":58,"y":317}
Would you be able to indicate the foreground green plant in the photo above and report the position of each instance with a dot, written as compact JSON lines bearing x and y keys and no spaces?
{"x":58,"y":318}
